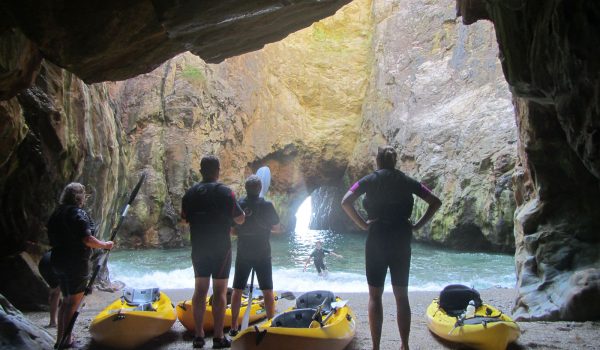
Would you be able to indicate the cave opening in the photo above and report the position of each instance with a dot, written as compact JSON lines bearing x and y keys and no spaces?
{"x":303,"y":216}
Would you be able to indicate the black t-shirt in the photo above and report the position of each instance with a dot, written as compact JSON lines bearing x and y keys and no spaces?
{"x":319,"y":255}
{"x":67,"y":227}
{"x":389,"y":194}
{"x":254,"y":233}
{"x":209,"y":208}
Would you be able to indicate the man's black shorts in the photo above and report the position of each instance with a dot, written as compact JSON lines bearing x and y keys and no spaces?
{"x":262,"y":268}
{"x":213,"y":264}
{"x":72,"y":277}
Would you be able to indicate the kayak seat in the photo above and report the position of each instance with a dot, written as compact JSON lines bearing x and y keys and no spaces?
{"x":137,"y":297}
{"x":227,"y":297}
{"x":298,"y":318}
{"x":455,"y":298}
{"x":313,"y":299}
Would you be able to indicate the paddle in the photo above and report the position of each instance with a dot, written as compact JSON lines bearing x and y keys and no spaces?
{"x":246,"y":318}
{"x":88,"y":288}
{"x":317,"y":315}
{"x":286,"y":296}
{"x":334,"y":307}
{"x":264,"y":173}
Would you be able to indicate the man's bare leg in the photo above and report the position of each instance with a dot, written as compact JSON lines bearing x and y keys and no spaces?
{"x":199,"y":304}
{"x":219,"y":305}
{"x":236,"y":303}
{"x":67,"y":309}
{"x":402,"y":314}
{"x":53,"y":301}
{"x":269,"y":302}
{"x":375,"y":315}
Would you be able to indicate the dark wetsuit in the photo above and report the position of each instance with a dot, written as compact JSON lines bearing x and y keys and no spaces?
{"x":253,"y":247}
{"x":67,"y":227}
{"x":209,"y":208}
{"x":45,"y":268}
{"x":389,"y":201}
{"x":319,"y":256}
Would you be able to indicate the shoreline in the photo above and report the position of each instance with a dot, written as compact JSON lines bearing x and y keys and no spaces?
{"x":535,"y":335}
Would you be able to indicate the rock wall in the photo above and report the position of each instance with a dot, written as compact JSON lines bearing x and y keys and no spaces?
{"x":18,"y":332}
{"x":57,"y":131}
{"x":295,"y":106}
{"x":550,"y":60}
{"x":300,"y":106}
{"x":437,"y":95}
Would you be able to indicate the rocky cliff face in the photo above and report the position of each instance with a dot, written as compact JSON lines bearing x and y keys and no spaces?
{"x":300,"y":105}
{"x":550,"y":60}
{"x":57,"y":131}
{"x":437,"y":95}
{"x":294,"y":106}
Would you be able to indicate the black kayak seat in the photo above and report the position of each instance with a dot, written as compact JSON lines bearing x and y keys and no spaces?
{"x":297,"y":318}
{"x":313,"y":299}
{"x":455,"y":298}
{"x":227,"y":297}
{"x":136,"y":297}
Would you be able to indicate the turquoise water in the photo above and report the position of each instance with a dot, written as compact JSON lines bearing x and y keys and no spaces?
{"x":431,"y":268}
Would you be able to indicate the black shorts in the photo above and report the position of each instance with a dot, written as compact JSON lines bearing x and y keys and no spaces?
{"x":215,"y":264}
{"x":262,"y":267}
{"x":45,"y":268}
{"x":320,"y":265}
{"x":388,"y":247}
{"x":72,"y":277}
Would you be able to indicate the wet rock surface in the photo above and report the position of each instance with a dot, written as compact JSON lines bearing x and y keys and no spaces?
{"x":551,"y":65}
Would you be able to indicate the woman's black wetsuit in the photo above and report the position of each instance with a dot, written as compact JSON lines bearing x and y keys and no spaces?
{"x":389,"y":202}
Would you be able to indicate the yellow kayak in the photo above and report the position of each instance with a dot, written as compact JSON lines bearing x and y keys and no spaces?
{"x":185,"y":313}
{"x":489,"y":329}
{"x":321,"y":328}
{"x":128,"y":324}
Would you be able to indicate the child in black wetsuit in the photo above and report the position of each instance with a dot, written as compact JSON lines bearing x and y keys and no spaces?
{"x":319,"y":255}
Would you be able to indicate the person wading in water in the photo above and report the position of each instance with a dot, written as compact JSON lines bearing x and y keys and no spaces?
{"x":319,"y":255}
{"x":389,"y":204}
{"x":254,"y":249}
{"x":210,"y":208}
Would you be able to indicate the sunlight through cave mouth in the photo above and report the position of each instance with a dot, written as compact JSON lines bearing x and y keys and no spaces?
{"x":303,"y":215}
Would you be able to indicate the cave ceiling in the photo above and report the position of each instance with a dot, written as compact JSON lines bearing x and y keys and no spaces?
{"x":116,"y":40}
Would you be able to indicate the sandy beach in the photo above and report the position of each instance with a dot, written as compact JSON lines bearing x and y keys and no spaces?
{"x":535,"y":335}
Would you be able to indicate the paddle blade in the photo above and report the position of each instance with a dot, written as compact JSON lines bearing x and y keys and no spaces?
{"x":287,"y":296}
{"x":260,"y":335}
{"x":246,"y":318}
{"x":339,"y":304}
{"x":264,"y":173}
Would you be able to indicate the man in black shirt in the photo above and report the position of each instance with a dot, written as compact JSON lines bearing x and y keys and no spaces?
{"x":71,"y":235}
{"x":210,"y":208}
{"x":254,"y":249}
